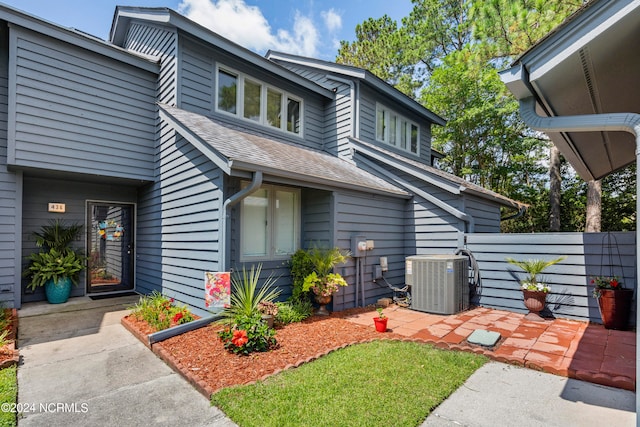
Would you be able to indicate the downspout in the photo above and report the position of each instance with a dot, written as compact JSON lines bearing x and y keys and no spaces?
{"x":624,"y":122}
{"x":466,"y":218}
{"x":256,"y":182}
{"x":352,"y":94}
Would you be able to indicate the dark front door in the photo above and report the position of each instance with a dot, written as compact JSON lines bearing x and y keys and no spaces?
{"x":110,"y":247}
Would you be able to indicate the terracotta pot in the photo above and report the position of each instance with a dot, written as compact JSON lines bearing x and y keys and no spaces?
{"x":535,"y":302}
{"x":323,"y":301}
{"x":381,"y":324}
{"x":614,"y":307}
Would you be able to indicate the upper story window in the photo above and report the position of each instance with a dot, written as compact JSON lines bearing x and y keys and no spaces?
{"x":393,"y":129}
{"x":251,"y":99}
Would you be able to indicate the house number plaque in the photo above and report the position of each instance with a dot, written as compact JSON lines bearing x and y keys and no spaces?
{"x":57,"y":207}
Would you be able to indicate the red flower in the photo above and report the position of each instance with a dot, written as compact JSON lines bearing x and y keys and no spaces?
{"x":614,"y":283}
{"x":177,"y":317}
{"x":239,"y":338}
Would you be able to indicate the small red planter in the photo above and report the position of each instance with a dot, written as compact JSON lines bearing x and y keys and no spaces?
{"x":381,"y":324}
{"x":615,"y":306}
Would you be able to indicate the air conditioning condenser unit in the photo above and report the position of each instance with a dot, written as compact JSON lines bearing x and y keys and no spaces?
{"x":439,"y":283}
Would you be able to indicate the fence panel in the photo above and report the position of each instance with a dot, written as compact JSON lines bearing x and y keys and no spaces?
{"x":588,"y":255}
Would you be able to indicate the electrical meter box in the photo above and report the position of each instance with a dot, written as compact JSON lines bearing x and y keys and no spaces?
{"x":358,"y":246}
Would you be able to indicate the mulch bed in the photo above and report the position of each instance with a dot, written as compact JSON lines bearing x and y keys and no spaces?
{"x":9,"y":355}
{"x":201,"y":358}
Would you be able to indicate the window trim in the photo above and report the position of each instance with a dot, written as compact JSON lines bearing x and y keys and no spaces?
{"x":271,"y":223}
{"x":264,"y":88}
{"x":389,"y":115}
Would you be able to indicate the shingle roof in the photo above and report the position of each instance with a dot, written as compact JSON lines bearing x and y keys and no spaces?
{"x":448,"y":178}
{"x":240,"y":149}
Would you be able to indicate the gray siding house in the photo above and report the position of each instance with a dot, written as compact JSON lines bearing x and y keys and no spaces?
{"x":184,"y":153}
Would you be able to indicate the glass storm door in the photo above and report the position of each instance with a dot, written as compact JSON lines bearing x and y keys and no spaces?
{"x":110,"y":247}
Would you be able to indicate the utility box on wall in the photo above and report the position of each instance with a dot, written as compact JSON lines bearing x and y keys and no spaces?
{"x":438,"y":283}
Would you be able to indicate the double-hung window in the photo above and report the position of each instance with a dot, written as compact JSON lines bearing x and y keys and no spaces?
{"x":253,"y":100}
{"x":393,"y":129}
{"x":270,"y":223}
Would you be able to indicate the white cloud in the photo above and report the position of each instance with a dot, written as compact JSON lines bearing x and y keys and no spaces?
{"x":247,"y":26}
{"x":332,"y":20}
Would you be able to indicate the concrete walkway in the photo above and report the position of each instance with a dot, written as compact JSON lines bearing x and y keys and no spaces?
{"x":80,"y":367}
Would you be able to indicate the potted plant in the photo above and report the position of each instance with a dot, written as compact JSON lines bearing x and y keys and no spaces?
{"x":56,"y":266}
{"x":380,"y":321}
{"x":269,"y":311}
{"x":534,"y":292}
{"x":614,"y":301}
{"x":322,"y":281}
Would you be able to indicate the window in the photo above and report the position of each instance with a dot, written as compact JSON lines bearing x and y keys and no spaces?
{"x":252,"y":100}
{"x":227,"y":89}
{"x":270,"y":225}
{"x":393,"y":129}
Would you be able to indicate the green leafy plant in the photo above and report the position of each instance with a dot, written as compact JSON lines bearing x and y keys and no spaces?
{"x":322,"y":281}
{"x":245,"y":331}
{"x":533,"y":267}
{"x":160,"y":312}
{"x":246,"y":295}
{"x":53,"y":265}
{"x":248,"y":334}
{"x":300,"y":266}
{"x":293,"y":311}
{"x":57,"y":235}
{"x":380,"y":313}
{"x":605,"y":282}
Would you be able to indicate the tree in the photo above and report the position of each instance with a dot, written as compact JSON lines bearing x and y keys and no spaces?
{"x":555,"y":188}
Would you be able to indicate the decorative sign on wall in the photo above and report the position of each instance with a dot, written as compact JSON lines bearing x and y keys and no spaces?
{"x":57,"y":207}
{"x":217,"y":287}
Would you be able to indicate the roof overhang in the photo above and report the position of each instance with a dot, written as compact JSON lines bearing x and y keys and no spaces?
{"x":588,"y":65}
{"x":362,"y":75}
{"x":124,"y":15}
{"x":238,"y":152}
{"x":75,"y":37}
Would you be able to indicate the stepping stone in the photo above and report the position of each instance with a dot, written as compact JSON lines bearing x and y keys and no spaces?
{"x":483,"y":338}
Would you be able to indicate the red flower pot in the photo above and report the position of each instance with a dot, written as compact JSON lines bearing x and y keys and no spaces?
{"x":381,"y":323}
{"x":614,"y":307}
{"x":534,"y":301}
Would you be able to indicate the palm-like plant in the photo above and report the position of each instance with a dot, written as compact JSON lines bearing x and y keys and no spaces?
{"x":246,"y":296}
{"x":534,"y":267}
{"x":57,"y":235}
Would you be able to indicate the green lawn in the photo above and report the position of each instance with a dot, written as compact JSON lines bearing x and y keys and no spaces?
{"x":8,"y":394}
{"x":382,"y":383}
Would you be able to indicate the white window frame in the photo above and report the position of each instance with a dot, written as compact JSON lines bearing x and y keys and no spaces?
{"x":389,"y":116}
{"x":271,"y":224}
{"x":285,"y":97}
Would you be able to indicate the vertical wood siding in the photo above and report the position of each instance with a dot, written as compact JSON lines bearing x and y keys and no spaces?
{"x":178,"y":222}
{"x":10,"y":193}
{"x":587,"y":254}
{"x":77,"y":111}
{"x":38,"y":192}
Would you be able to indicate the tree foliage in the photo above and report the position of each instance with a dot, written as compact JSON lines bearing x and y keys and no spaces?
{"x":447,"y":54}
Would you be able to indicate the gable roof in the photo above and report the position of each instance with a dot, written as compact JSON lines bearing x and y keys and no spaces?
{"x":75,"y":37}
{"x":436,"y":177}
{"x":124,"y":15}
{"x":359,"y":74}
{"x":235,"y":149}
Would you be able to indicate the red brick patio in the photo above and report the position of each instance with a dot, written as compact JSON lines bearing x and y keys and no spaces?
{"x":564,"y":347}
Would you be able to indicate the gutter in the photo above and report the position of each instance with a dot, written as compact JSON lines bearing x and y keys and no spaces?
{"x":256,"y":182}
{"x":466,"y":218}
{"x":621,"y":122}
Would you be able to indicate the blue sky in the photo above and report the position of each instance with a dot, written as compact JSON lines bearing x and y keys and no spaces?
{"x":305,"y":27}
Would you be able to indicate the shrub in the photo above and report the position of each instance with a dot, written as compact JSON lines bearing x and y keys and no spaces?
{"x":301,"y":266}
{"x":293,"y":311}
{"x":159,"y":312}
{"x":247,"y":335}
